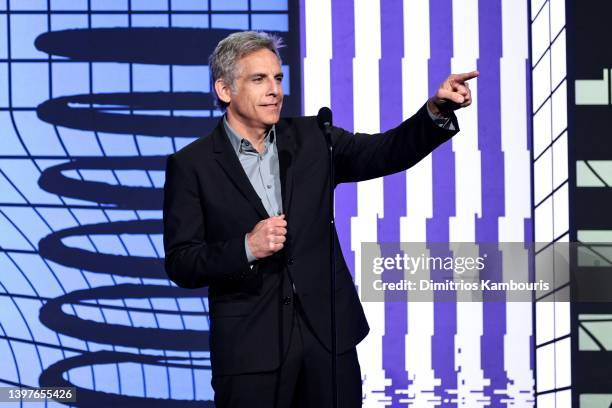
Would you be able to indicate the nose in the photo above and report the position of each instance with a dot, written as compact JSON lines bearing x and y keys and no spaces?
{"x":275,"y":88}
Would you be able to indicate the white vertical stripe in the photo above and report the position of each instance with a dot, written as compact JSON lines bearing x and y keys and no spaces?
{"x":513,"y":91}
{"x":419,"y":201}
{"x":419,"y":205}
{"x":468,"y":188}
{"x":369,"y":193}
{"x":317,"y":91}
{"x":468,"y":204}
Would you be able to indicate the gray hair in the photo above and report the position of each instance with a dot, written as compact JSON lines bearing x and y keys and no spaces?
{"x":224,"y":59}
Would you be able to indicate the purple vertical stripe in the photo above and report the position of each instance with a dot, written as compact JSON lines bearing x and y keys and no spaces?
{"x":528,"y":100}
{"x":390,"y":84}
{"x":443,"y":176}
{"x":492,"y":179}
{"x":341,"y":78}
{"x":528,"y":223}
{"x":529,"y":234}
{"x":529,"y":237}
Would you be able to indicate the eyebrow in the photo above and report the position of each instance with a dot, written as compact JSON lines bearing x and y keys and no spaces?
{"x":280,"y":74}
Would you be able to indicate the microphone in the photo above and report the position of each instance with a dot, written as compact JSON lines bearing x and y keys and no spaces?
{"x":324,"y":120}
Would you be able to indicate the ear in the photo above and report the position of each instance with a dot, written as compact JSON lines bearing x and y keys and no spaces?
{"x":223,"y":90}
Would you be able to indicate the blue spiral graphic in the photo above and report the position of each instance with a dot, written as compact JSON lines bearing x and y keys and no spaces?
{"x":83,"y":203}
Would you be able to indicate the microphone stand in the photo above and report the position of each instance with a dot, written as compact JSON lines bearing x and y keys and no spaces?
{"x":332,"y":255}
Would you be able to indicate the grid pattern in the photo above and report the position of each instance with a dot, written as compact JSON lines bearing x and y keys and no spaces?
{"x":550,"y":198}
{"x":82,"y":288}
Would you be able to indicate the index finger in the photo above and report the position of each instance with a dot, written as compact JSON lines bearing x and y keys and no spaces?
{"x":466,"y":76}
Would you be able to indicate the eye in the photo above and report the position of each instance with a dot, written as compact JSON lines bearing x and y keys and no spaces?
{"x":257,"y":79}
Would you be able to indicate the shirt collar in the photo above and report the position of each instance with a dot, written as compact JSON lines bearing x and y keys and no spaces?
{"x":241,"y":144}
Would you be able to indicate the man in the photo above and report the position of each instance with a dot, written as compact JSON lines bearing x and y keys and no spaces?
{"x":245,"y":213}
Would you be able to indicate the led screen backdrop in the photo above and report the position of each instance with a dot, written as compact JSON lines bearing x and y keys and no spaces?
{"x":95,"y":94}
{"x":376,"y":63}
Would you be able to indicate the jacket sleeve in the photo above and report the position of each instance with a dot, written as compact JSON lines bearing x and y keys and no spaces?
{"x":191,"y":261}
{"x":359,"y":157}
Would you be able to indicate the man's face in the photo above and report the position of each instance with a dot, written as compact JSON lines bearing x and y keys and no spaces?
{"x":257,"y":97}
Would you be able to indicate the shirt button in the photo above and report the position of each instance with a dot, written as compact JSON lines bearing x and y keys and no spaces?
{"x":269,"y":186}
{"x":290,"y":261}
{"x":287,"y":300}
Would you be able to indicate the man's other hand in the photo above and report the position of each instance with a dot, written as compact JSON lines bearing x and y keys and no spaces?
{"x":453,"y":94}
{"x":268,"y":236}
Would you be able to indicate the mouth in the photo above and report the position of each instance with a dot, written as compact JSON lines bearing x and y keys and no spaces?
{"x":270,"y":106}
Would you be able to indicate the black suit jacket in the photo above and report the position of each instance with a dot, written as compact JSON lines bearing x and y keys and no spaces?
{"x":209,"y":206}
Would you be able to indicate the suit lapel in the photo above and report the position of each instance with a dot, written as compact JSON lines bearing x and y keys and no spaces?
{"x":227,"y":159}
{"x":285,"y":144}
